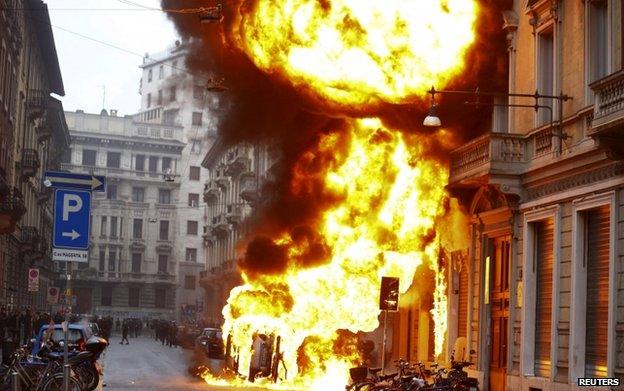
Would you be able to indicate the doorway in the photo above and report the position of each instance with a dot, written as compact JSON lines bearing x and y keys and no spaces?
{"x":499,"y":257}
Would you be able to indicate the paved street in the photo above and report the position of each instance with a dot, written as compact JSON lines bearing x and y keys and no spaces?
{"x":147,"y":365}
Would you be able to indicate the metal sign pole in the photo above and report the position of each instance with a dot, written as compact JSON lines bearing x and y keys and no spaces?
{"x":15,"y":381}
{"x":66,"y":329}
{"x":383,"y":348}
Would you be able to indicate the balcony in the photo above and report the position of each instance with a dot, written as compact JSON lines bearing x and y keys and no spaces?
{"x":30,"y":162}
{"x":211,"y":193}
{"x":249,"y":187}
{"x":220,"y":226}
{"x":606,"y":126}
{"x":164,"y":246}
{"x":238,"y":161}
{"x":137,"y":244}
{"x":222,"y":181}
{"x":42,"y":129}
{"x":234,"y":214}
{"x":29,"y":239}
{"x":12,"y":208}
{"x":44,"y":194}
{"x":494,"y":158}
{"x":36,"y":104}
{"x":209,"y":239}
{"x":149,"y":116}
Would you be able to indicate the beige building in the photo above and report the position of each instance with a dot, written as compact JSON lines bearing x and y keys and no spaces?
{"x":33,"y":138}
{"x":539,"y":294}
{"x":236,"y":175}
{"x":132,"y":269}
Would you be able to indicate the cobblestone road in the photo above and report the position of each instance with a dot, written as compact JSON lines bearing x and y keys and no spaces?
{"x":146,"y":365}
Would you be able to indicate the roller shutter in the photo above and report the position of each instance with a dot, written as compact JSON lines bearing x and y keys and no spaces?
{"x":462,"y":309}
{"x":543,"y":266}
{"x":597,"y":263}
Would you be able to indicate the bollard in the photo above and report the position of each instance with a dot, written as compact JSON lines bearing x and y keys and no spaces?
{"x":15,"y":381}
{"x":66,"y":377}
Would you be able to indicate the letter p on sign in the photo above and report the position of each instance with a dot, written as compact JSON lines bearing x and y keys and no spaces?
{"x":71,"y":203}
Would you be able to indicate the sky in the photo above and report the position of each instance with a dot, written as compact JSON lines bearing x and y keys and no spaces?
{"x":87,"y":66}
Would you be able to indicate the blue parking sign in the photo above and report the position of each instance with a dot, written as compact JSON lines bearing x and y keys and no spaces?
{"x":72,"y":215}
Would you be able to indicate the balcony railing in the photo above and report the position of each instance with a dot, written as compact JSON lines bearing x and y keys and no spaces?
{"x":30,"y":162}
{"x":211,"y":193}
{"x":13,"y":205}
{"x":238,"y":161}
{"x":220,"y":226}
{"x":29,"y":238}
{"x":43,"y":129}
{"x":609,"y":99}
{"x":480,"y":154}
{"x":249,"y":187}
{"x":500,"y":157}
{"x":234,"y":214}
{"x":609,"y":113}
{"x":223,"y":181}
{"x":116,"y":172}
{"x":151,"y":115}
{"x":36,"y":104}
{"x":209,"y":239}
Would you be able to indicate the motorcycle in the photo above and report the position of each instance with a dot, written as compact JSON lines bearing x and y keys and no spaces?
{"x":85,"y":364}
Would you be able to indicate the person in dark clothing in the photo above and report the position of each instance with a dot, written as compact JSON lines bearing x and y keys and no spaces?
{"x":124,"y":334}
{"x":26,"y":325}
{"x":173,"y":335}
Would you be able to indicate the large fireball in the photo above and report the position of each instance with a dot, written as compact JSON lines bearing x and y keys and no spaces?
{"x":359,"y":52}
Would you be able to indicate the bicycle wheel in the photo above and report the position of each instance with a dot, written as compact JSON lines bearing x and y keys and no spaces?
{"x":55,"y":383}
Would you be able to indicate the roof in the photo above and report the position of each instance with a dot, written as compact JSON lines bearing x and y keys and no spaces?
{"x":45,"y":37}
{"x":176,"y":50}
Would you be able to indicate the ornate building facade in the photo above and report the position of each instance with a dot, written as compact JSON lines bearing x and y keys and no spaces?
{"x":236,"y":175}
{"x":132,"y":269}
{"x":537,"y":297}
{"x":33,"y":138}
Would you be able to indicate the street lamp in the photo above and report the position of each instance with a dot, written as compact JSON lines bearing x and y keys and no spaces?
{"x":432,"y":120}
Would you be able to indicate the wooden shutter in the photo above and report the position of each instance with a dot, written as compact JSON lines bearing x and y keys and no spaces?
{"x":462,"y":307}
{"x":597,"y":262}
{"x":543,"y":265}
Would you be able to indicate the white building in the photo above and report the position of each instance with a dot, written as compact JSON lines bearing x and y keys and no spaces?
{"x":232,"y":190}
{"x":172,"y":95}
{"x":133,"y":268}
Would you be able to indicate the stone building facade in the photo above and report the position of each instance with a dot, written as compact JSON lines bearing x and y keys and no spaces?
{"x":171,"y":94}
{"x":132,"y":269}
{"x":233,"y":189}
{"x":33,"y":138}
{"x":538,"y":295}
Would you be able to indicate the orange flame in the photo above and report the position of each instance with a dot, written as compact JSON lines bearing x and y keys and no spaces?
{"x":350,"y":54}
{"x":392,"y":199}
{"x":359,"y":52}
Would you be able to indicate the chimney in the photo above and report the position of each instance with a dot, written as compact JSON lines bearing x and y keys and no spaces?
{"x":113,"y":112}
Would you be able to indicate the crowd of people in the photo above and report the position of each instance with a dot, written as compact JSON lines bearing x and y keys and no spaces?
{"x":21,"y":324}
